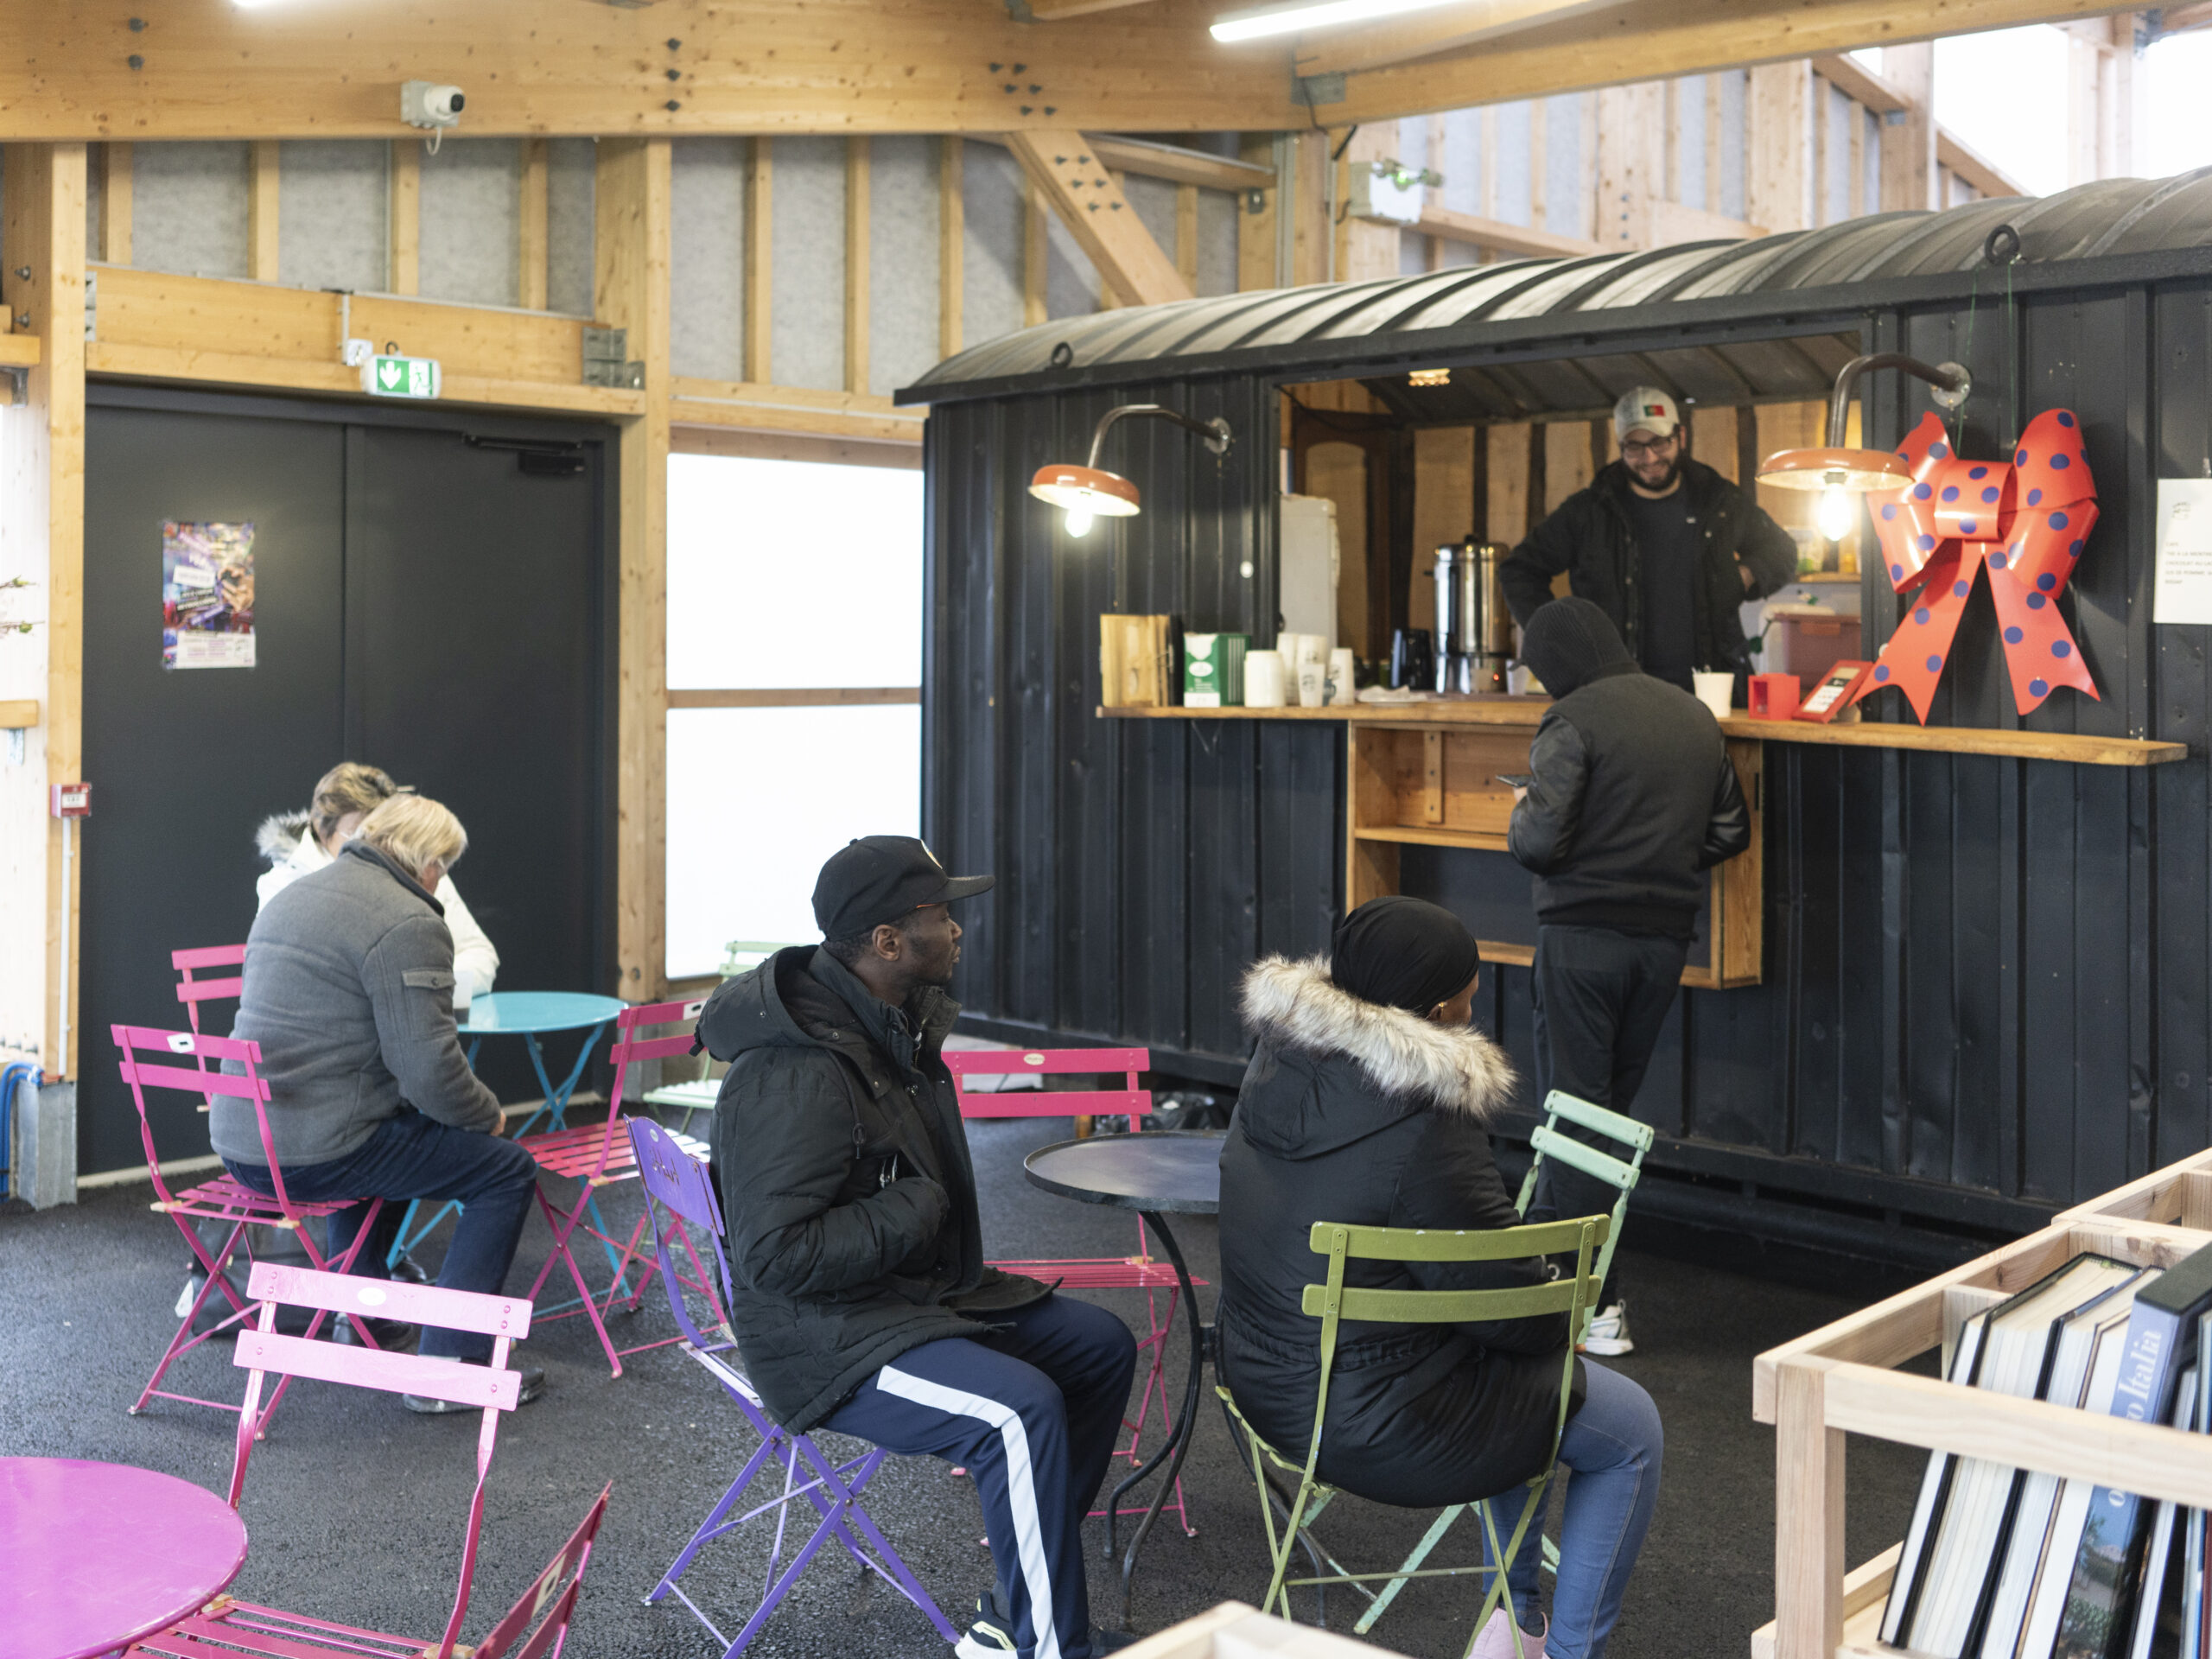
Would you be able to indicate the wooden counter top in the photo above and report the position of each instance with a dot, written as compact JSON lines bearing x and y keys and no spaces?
{"x":1527,"y":711}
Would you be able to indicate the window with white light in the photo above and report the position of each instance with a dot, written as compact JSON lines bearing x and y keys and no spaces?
{"x":794,"y":675}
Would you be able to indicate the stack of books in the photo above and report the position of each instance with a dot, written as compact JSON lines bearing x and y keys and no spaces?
{"x":2004,"y":1563}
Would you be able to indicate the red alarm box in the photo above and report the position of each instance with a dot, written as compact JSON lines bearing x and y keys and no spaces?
{"x":1774,"y":697}
{"x":1829,"y":699}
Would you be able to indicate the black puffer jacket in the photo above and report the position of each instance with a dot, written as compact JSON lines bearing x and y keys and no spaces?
{"x":1354,"y":1112}
{"x":1589,"y":537}
{"x":847,"y":1186}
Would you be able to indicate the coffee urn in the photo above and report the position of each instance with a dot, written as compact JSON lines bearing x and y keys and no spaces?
{"x":1474,"y":630}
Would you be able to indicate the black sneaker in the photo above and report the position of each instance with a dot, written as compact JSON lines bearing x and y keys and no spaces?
{"x":991,"y":1635}
{"x":393,"y":1336}
{"x":533,"y":1385}
{"x":408,"y":1271}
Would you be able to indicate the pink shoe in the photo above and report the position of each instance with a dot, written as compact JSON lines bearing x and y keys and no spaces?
{"x":1496,"y":1639}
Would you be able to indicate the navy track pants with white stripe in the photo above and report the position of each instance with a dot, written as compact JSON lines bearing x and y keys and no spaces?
{"x":1033,"y":1408}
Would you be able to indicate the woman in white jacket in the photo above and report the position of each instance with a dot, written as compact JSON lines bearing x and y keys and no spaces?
{"x":295,"y":844}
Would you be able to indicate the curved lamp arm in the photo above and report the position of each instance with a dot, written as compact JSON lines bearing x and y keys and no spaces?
{"x":1951,"y":381}
{"x":1214,"y":431}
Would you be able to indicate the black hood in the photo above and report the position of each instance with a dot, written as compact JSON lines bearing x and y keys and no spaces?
{"x":1570,"y":642}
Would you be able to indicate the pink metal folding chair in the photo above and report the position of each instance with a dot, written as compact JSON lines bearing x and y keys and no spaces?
{"x":537,"y":1625}
{"x":192,"y":992}
{"x":677,"y":1186}
{"x":599,"y":1155}
{"x":1139,"y":1272}
{"x":224,"y":1199}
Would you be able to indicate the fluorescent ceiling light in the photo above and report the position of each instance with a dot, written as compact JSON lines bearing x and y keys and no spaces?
{"x":1264,"y":21}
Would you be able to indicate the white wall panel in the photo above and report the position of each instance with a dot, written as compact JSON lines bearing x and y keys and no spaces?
{"x":1221,"y":220}
{"x":903,"y":274}
{"x":570,"y":190}
{"x":333,"y":213}
{"x":991,"y":223}
{"x":472,"y":221}
{"x":807,"y":300}
{"x":189,"y":208}
{"x":706,"y":258}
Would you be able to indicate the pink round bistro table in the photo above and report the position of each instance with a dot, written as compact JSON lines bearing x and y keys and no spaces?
{"x":99,"y":1554}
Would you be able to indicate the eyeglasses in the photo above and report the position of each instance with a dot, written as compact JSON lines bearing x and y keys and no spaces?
{"x":1634,"y":451}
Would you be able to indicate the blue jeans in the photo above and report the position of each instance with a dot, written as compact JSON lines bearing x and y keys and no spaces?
{"x":411,"y":1156}
{"x":1613,"y":1447}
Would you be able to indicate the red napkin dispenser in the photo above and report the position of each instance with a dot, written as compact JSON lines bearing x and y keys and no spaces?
{"x":1774,"y":697}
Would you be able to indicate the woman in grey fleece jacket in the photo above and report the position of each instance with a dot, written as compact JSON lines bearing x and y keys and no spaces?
{"x":349,"y":991}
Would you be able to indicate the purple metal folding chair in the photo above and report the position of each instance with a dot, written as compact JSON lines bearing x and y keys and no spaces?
{"x":679,"y":1198}
{"x":537,"y":1625}
{"x":222,"y":1199}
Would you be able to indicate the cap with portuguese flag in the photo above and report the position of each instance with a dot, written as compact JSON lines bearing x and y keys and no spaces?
{"x":1646,"y":409}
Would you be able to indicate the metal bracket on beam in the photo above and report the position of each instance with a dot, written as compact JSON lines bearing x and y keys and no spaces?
{"x":1313,"y":91}
{"x":92,"y":306}
{"x":19,"y":384}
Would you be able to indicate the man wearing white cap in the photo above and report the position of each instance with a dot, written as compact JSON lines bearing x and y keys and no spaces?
{"x":1664,"y":544}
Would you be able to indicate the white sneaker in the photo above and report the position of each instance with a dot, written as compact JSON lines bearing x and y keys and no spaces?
{"x":1608,"y":1333}
{"x":1495,"y":1640}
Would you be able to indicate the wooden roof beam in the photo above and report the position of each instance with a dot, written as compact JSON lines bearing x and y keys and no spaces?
{"x":1173,"y":163}
{"x":1051,"y":11}
{"x":1976,"y":168}
{"x":1495,"y":234}
{"x":1426,"y":35}
{"x":1072,"y":176}
{"x":1646,"y":42}
{"x":1859,"y":83}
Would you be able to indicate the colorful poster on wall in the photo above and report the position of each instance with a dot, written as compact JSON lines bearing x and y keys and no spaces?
{"x":207,"y":595}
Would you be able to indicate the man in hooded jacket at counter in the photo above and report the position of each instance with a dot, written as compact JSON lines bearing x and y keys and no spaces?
{"x":863,"y":1304}
{"x":1631,"y":799}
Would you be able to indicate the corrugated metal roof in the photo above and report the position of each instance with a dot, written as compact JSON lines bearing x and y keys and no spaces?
{"x":2112,"y":218}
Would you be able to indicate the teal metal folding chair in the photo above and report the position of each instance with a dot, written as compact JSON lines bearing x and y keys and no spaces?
{"x":1334,"y":1301}
{"x":1547,"y":1142}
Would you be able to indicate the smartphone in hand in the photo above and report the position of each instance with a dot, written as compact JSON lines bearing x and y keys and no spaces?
{"x":1514,"y":779}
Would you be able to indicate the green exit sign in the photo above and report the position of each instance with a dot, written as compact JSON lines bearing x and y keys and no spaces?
{"x":400,"y":376}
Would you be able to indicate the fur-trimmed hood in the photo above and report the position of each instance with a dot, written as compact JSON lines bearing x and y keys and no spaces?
{"x":280,"y":835}
{"x":1296,"y":1006}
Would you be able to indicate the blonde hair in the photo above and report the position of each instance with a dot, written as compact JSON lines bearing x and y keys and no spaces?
{"x":347,"y":788}
{"x":414,"y":831}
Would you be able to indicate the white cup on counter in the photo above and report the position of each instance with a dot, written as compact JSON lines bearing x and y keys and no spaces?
{"x":1312,"y":682}
{"x":1341,"y":688}
{"x":1264,"y":679}
{"x":1714,"y":691}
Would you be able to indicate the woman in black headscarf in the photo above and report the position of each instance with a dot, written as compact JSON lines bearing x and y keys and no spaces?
{"x":1366,"y":1101}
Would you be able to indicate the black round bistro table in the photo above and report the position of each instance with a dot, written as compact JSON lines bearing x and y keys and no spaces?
{"x":1157,"y":1173}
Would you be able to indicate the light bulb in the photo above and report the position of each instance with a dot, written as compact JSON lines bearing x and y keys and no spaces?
{"x":1079,"y":521}
{"x":1836,"y":513}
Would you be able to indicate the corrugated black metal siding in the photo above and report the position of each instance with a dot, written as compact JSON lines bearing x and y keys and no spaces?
{"x":1988,"y":982}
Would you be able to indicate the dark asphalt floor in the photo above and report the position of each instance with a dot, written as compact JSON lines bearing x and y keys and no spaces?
{"x":355,"y":1508}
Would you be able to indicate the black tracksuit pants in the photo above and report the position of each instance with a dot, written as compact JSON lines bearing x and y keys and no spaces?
{"x":1601,"y":997}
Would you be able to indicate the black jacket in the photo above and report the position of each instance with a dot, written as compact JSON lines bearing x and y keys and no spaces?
{"x":1632,"y":796}
{"x":1589,"y":538}
{"x":1354,"y":1112}
{"x":847,"y":1186}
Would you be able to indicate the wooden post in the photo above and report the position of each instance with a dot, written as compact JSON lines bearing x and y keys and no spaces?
{"x":533,"y":253}
{"x":1631,"y":137}
{"x":42,"y":529}
{"x":1365,"y":250}
{"x":1255,"y":233}
{"x":1186,"y":233}
{"x":631,"y":250}
{"x":759,"y":262}
{"x":115,"y":204}
{"x":856,"y":303}
{"x":1908,"y":135}
{"x":951,"y":243}
{"x":405,"y":248}
{"x":1036,"y":249}
{"x":1070,"y":180}
{"x":261,"y":211}
{"x":1779,"y":194}
{"x":1808,"y":1516}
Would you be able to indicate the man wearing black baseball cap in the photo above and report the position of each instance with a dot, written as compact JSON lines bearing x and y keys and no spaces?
{"x":863,"y":1304}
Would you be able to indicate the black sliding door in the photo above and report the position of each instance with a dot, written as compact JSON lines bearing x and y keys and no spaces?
{"x":436,"y":605}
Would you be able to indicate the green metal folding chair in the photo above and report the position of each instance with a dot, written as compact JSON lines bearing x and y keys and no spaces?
{"x":1547,"y":1142}
{"x":1334,"y":1301}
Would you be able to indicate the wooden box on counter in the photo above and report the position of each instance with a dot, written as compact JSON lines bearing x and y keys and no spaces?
{"x":1136,"y":661}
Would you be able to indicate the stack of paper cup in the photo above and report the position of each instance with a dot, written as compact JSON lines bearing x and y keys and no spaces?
{"x":1341,"y":688}
{"x":1714,"y":691}
{"x":1264,"y":679}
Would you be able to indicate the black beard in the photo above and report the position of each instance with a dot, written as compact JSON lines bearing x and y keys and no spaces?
{"x":1674,"y":471}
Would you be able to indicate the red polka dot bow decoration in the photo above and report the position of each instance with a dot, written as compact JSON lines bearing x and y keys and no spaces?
{"x":2027,"y":522}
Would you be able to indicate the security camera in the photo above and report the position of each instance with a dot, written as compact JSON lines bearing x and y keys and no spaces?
{"x":426,"y":104}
